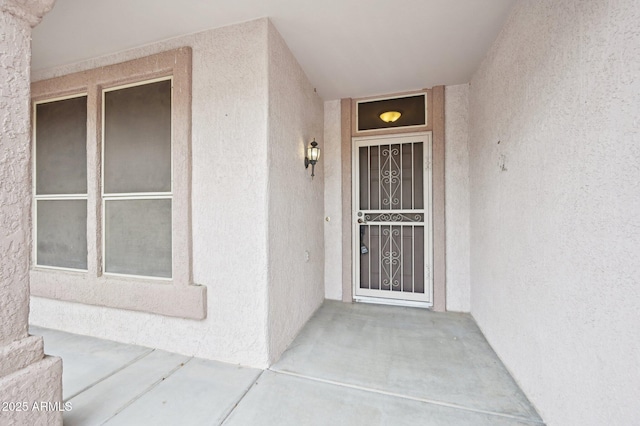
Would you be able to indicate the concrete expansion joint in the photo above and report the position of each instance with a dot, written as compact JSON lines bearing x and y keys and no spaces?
{"x":255,"y":382}
{"x":409,"y":397}
{"x":145,"y":391}
{"x":122,"y":367}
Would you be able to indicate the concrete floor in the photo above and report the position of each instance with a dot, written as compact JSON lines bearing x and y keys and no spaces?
{"x":350,"y":365}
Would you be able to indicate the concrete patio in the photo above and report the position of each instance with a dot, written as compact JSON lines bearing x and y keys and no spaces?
{"x":352,"y":364}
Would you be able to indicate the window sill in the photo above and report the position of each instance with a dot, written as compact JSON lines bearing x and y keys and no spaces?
{"x":144,"y":295}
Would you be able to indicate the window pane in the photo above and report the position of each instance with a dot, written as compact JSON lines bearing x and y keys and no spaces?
{"x":137,"y":147}
{"x":138,"y":237}
{"x":61,"y":147}
{"x":412,"y":109}
{"x":62,"y":233}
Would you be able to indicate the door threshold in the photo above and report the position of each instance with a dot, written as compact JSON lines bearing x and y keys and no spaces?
{"x":393,"y":302}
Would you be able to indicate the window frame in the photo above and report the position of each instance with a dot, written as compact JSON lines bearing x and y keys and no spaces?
{"x":48,"y":197}
{"x":355,"y":132}
{"x":131,"y":195}
{"x":178,"y":296}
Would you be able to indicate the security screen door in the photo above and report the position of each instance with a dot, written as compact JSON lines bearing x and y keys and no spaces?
{"x":392,"y":219}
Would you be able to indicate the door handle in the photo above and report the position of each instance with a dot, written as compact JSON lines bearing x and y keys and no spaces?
{"x":361,"y":220}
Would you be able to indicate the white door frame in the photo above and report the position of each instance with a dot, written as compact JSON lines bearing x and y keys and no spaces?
{"x":368,"y":296}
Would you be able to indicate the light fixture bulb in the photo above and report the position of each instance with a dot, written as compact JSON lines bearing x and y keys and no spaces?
{"x":390,"y":116}
{"x":313,"y":155}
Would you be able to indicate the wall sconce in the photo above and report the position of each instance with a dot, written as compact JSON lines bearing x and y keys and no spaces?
{"x":313,"y":155}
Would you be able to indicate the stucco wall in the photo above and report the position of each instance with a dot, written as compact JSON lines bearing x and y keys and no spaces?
{"x":456,"y":115}
{"x":332,"y":166}
{"x":295,"y":202}
{"x":14,"y":177}
{"x":26,"y":376}
{"x":555,"y":206}
{"x":229,"y":200}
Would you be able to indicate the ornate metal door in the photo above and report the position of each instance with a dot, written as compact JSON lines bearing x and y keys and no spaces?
{"x":392,"y":219}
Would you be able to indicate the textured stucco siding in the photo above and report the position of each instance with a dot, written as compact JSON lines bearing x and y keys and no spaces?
{"x":15,"y":188}
{"x":295,"y":205}
{"x":332,"y":165}
{"x":456,"y":130}
{"x":229,"y":204}
{"x":555,"y":206}
{"x":38,"y":391}
{"x":26,"y":377}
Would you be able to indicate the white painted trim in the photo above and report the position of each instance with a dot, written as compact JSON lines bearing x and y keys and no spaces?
{"x":398,"y":211}
{"x":399,"y":298}
{"x":363,"y":139}
{"x":54,"y":197}
{"x":138,"y":196}
{"x":56,"y":99}
{"x":59,"y":268}
{"x":394,"y":302}
{"x":136,"y":83}
{"x":141,"y":277}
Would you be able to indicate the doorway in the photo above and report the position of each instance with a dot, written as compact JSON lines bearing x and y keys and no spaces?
{"x":392,"y":219}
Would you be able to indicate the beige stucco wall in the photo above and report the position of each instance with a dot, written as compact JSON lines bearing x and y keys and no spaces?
{"x":295,"y":203}
{"x":332,"y":168}
{"x":456,"y":144}
{"x":229,"y":201}
{"x":30,"y":383}
{"x":14,"y":177}
{"x":555,"y":206}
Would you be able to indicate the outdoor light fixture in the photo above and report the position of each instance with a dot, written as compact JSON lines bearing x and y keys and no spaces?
{"x":390,"y":116}
{"x":313,"y":155}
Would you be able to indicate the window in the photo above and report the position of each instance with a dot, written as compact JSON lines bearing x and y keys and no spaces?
{"x":408,"y":112}
{"x":137,"y":179}
{"x":112,"y":200}
{"x":60,"y":183}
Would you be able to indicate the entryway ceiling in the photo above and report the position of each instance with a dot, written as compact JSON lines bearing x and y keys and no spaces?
{"x":348,"y":48}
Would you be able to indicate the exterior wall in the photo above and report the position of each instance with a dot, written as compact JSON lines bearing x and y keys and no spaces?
{"x":332,"y":163}
{"x":15,"y":193}
{"x":295,"y":203}
{"x":229,"y":206}
{"x":555,"y":206}
{"x":456,"y":105}
{"x":26,"y":375}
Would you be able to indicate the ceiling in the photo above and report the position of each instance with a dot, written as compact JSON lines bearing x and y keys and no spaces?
{"x":347,"y":48}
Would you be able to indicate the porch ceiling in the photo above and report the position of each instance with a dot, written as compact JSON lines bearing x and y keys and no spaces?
{"x":348,"y":48}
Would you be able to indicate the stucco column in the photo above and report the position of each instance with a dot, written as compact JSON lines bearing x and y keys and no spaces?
{"x":30,"y":383}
